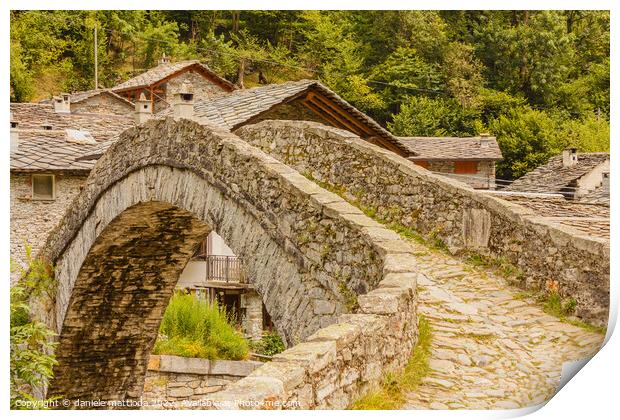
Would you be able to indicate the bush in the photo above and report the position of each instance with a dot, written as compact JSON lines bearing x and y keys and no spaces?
{"x":271,"y":343}
{"x":195,"y":328}
{"x":32,"y":360}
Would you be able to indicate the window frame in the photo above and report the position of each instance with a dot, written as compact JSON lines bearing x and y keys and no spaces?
{"x":32,"y":181}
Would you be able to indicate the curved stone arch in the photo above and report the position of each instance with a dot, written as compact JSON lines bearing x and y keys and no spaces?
{"x":148,"y":202}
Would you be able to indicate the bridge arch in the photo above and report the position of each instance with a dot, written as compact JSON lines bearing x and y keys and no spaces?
{"x":147,"y":203}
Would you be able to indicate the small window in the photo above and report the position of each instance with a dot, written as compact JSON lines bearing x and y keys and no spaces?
{"x":47,"y":127}
{"x":43,"y":187}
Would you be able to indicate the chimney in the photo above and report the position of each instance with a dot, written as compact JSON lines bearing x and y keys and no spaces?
{"x":183,"y":101}
{"x":163,"y":59}
{"x":144,"y":109}
{"x":485,"y":140}
{"x":569,"y":157}
{"x":14,"y":135}
{"x":62,"y":103}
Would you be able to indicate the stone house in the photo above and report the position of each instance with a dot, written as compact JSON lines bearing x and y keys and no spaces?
{"x":467,"y":159}
{"x":159,"y":83}
{"x":100,"y":101}
{"x":44,"y":173}
{"x":577,"y":176}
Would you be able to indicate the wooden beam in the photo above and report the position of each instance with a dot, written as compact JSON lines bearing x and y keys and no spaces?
{"x":328,"y":104}
{"x":336,"y":123}
{"x":343,"y":121}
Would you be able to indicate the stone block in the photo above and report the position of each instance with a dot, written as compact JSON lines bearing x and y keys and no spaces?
{"x":342,"y":334}
{"x":315,"y":355}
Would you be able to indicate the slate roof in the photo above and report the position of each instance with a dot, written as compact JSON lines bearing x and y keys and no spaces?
{"x":231,"y":110}
{"x":164,"y":70}
{"x":599,"y":195}
{"x":33,"y":116}
{"x":77,"y":97}
{"x":49,"y":150}
{"x":553,"y":177}
{"x":452,"y":148}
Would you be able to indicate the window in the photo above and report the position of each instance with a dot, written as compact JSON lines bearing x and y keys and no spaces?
{"x":465,"y":167}
{"x":43,"y":187}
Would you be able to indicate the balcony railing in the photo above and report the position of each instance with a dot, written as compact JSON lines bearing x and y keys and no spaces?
{"x":223,"y":268}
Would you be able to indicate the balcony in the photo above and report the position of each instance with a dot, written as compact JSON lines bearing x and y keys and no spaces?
{"x":222,"y":271}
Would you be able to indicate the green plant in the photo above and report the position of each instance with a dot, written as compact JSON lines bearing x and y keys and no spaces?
{"x":31,"y":348}
{"x":271,"y":343}
{"x":350,"y":297}
{"x":391,"y":393}
{"x":192,"y":327}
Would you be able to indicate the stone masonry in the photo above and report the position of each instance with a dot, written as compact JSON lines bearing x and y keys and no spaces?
{"x":552,"y":256}
{"x":174,"y":380}
{"x":313,"y":257}
{"x":32,"y":220}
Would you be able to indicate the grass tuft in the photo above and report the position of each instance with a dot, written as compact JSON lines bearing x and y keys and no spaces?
{"x":192,"y":327}
{"x":392,"y":392}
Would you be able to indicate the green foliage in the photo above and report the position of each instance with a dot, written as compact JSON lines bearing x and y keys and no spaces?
{"x":394,"y":388}
{"x":192,"y":327}
{"x":31,"y":343}
{"x":270,"y":344}
{"x":520,"y":75}
{"x":425,"y":116}
{"x":350,"y":297}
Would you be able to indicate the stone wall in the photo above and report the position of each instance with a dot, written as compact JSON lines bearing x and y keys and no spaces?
{"x":294,"y":110}
{"x":178,"y":379}
{"x":203,"y":88}
{"x":102,"y":104}
{"x":338,"y":364}
{"x":150,"y":200}
{"x":252,"y":321}
{"x":552,"y":256}
{"x":32,"y":220}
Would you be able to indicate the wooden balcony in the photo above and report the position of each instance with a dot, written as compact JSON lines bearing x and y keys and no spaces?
{"x":223,"y":271}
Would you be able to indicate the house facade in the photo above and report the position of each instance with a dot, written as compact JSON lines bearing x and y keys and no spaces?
{"x":159,"y":83}
{"x":467,"y":159}
{"x":577,"y":176}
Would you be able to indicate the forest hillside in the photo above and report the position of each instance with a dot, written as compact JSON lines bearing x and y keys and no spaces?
{"x":538,"y":80}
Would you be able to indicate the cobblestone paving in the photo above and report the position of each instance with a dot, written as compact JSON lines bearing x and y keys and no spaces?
{"x":490,"y":350}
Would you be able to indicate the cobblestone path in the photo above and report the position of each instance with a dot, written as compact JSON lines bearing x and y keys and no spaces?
{"x":490,"y":349}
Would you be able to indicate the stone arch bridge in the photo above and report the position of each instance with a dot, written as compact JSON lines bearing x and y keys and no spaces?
{"x":340,"y":287}
{"x":147,"y":204}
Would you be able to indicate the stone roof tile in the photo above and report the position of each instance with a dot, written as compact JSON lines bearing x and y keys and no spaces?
{"x":554,"y":177}
{"x":453,"y":148}
{"x":164,"y":70}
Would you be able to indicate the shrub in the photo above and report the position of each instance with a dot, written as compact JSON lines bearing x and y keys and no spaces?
{"x":271,"y":343}
{"x":195,"y":328}
{"x":31,"y":346}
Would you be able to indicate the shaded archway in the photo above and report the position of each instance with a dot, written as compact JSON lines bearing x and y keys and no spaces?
{"x":148,"y":202}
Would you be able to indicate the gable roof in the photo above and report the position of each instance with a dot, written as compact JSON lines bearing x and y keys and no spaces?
{"x":33,"y":116}
{"x":554,"y":177}
{"x":166,"y":70}
{"x":241,"y":107}
{"x":453,"y":148}
{"x":77,"y":97}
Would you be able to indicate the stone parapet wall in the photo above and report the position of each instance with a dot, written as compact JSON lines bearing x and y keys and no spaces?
{"x":174,"y":378}
{"x":552,"y":256}
{"x":338,"y":364}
